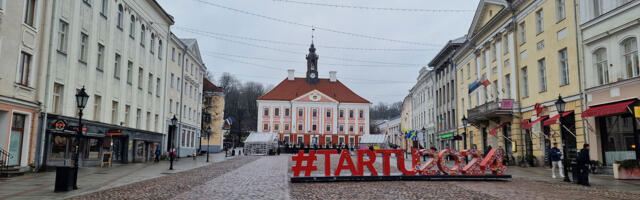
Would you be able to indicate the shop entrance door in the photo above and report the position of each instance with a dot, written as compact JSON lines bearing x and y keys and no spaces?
{"x":547,"y":144}
{"x":15,"y":139}
{"x":568,"y":130}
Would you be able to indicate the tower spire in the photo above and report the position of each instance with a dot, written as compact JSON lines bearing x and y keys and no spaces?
{"x":313,"y":30}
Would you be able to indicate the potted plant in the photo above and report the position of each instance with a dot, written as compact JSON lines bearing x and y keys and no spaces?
{"x":626,"y":169}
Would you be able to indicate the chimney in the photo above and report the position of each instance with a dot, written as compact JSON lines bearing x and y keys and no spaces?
{"x":291,"y":74}
{"x":332,"y":76}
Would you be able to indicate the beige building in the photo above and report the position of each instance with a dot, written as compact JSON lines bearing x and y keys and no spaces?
{"x":406,"y":115}
{"x":610,"y":31}
{"x":520,"y":55}
{"x":185,"y":70}
{"x":213,"y":117}
{"x":20,"y":32}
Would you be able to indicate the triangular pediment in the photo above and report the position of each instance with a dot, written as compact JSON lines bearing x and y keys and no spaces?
{"x":487,"y":10}
{"x":315,"y":96}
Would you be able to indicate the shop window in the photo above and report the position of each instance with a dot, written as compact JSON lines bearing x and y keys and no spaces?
{"x":93,"y":152}
{"x":58,"y":148}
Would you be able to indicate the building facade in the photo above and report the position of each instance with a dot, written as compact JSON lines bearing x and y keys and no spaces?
{"x":445,"y":94}
{"x":520,"y":55}
{"x":312,"y":111}
{"x":185,"y":70}
{"x":610,"y":31}
{"x":392,"y":129}
{"x":213,"y":113}
{"x":422,"y":109}
{"x":117,"y":51}
{"x":407,"y":118}
{"x":20,"y":32}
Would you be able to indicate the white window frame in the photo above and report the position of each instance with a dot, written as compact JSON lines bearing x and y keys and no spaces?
{"x":601,"y":66}
{"x":563,"y":66}
{"x":542,"y":75}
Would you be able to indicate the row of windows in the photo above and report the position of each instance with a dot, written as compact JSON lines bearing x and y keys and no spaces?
{"x":188,"y":138}
{"x":58,"y":93}
{"x":314,"y":128}
{"x":629,"y":58}
{"x":314,"y":113}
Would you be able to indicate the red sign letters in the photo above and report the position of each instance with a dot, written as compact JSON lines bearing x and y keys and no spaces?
{"x":436,"y":162}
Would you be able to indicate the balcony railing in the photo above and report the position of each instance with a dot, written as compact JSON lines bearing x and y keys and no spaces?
{"x":494,"y":109}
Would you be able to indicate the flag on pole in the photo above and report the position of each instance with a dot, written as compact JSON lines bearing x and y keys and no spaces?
{"x":228,"y":120}
{"x":484,"y":81}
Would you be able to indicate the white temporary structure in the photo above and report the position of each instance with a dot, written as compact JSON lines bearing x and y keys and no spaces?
{"x":379,"y":140}
{"x":260,"y":143}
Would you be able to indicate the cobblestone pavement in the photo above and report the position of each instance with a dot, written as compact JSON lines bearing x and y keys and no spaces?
{"x":167,"y":187}
{"x":265,"y":178}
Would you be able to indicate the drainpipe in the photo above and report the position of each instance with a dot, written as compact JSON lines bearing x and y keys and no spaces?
{"x":164,"y":96}
{"x":184,"y":57}
{"x":40,"y":160}
{"x":583,"y":98}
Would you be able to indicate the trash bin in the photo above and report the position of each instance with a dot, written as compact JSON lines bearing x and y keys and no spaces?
{"x":575,"y":172}
{"x":65,"y":178}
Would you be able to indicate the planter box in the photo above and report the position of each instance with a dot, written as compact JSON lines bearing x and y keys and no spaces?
{"x":619,"y":173}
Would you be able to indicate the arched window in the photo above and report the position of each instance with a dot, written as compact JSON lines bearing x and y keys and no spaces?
{"x":160,"y":49}
{"x":152,"y":46}
{"x":142,"y":32}
{"x":132,"y":26}
{"x":630,"y":57}
{"x":601,"y":65}
{"x":120,"y":16}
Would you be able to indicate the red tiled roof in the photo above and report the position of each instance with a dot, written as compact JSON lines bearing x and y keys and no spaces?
{"x":209,"y":86}
{"x":288,"y":90}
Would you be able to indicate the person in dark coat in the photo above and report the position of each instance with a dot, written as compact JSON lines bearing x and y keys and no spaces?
{"x":158,"y":151}
{"x":583,"y":161}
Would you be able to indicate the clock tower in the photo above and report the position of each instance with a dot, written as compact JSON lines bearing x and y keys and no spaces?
{"x":312,"y":65}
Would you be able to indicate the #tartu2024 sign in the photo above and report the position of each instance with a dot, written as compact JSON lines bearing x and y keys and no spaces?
{"x":436,"y":162}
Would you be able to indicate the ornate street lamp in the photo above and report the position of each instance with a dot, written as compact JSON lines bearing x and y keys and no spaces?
{"x":81,"y":101}
{"x":464,"y":122}
{"x":560,"y":104}
{"x":174,"y":124}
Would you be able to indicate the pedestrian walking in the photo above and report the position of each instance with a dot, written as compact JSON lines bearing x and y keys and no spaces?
{"x":556,"y":160}
{"x":158,"y":151}
{"x":583,"y":165}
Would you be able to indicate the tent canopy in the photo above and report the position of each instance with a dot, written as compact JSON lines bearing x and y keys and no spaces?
{"x":374,"y":139}
{"x":261,"y":138}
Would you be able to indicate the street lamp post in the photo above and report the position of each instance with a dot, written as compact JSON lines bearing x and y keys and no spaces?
{"x":174,"y":122}
{"x":464,"y":123}
{"x":208,"y":140}
{"x":560,"y":108}
{"x":81,"y":102}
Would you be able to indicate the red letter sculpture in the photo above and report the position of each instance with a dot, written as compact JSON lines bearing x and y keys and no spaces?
{"x":430,"y":166}
{"x":493,"y":162}
{"x":473,"y":167}
{"x":327,"y":160}
{"x":345,"y":156}
{"x":368,"y":163}
{"x":457,"y":159}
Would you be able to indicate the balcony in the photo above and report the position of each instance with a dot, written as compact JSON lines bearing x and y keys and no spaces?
{"x":494,"y":110}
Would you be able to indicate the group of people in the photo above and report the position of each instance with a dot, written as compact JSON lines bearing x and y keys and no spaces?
{"x":583,"y":162}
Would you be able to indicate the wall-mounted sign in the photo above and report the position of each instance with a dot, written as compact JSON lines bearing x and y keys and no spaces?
{"x":636,"y":110}
{"x":60,"y":125}
{"x":445,"y":136}
{"x":114,"y":132}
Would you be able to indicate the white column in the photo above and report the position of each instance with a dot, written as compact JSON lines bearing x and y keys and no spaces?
{"x":336,"y":112}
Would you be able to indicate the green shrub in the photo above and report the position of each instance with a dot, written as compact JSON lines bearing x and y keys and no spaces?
{"x":629,"y":164}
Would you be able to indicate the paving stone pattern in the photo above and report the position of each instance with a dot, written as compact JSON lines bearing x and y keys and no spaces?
{"x":265,"y":178}
{"x":169,"y":186}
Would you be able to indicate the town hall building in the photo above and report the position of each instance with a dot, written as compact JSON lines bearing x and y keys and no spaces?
{"x":312,"y":111}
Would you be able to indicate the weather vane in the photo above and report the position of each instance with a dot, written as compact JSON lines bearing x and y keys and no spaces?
{"x":312,"y":31}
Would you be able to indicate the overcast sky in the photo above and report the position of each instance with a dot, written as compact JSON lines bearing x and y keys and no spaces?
{"x":254,"y":48}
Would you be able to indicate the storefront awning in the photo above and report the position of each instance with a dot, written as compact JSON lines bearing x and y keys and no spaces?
{"x":555,"y":118}
{"x":530,"y":125}
{"x":495,"y":130}
{"x":608,"y":109}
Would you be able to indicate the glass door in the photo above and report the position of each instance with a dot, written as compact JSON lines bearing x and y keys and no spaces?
{"x":15,"y":139}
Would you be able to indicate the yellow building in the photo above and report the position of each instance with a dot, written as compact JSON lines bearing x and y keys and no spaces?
{"x":213,"y":109}
{"x":520,"y":55}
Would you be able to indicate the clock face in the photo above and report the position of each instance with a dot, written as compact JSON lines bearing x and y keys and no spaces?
{"x":312,"y":75}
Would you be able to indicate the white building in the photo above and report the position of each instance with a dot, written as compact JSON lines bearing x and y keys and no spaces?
{"x":423,"y":111}
{"x":610,"y":33}
{"x":20,"y":32}
{"x":117,"y":51}
{"x":185,"y":70}
{"x":445,"y":93}
{"x":392,"y":129}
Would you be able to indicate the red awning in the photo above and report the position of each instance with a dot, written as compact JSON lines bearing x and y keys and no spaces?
{"x":530,"y":125}
{"x":608,"y":109}
{"x":555,"y":118}
{"x":495,"y":130}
